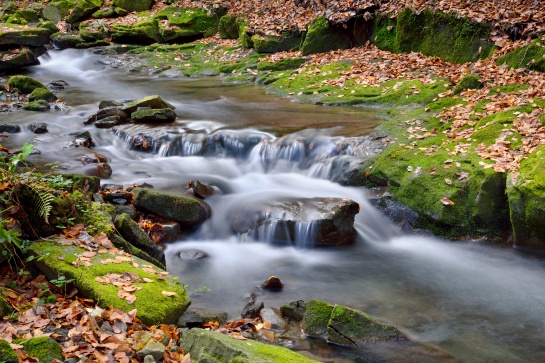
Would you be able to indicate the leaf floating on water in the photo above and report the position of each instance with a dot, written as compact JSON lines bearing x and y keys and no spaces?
{"x":447,"y":201}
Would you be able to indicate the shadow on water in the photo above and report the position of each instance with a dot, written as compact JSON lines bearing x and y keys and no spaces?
{"x":480,"y":303}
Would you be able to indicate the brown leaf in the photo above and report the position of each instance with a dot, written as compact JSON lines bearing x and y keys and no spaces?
{"x":447,"y":201}
{"x":168,"y":293}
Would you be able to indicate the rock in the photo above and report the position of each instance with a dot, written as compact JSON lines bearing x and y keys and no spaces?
{"x":9,"y":128}
{"x":23,"y":35}
{"x":308,"y":222}
{"x":183,"y":25}
{"x":56,"y":12}
{"x":228,"y":27}
{"x":112,"y":111}
{"x":25,"y":84}
{"x":294,"y":310}
{"x":152,"y":307}
{"x":154,"y":115}
{"x":192,"y":255}
{"x":65,"y":40}
{"x":82,"y":139}
{"x":100,"y":170}
{"x":155,"y":349}
{"x":188,"y":211}
{"x":252,"y":308}
{"x":57,"y":85}
{"x":274,"y":318}
{"x":149,"y":359}
{"x":7,"y":354}
{"x":121,"y":243}
{"x":45,"y":349}
{"x":346,"y":326}
{"x":154,"y":102}
{"x":83,"y":10}
{"x":273,"y":44}
{"x":144,"y":32}
{"x":199,"y":189}
{"x":109,"y":103}
{"x":196,"y":317}
{"x":107,"y":122}
{"x":127,"y":209}
{"x":20,"y":57}
{"x":322,"y":36}
{"x":38,"y":128}
{"x":119,"y":196}
{"x":209,"y":346}
{"x":42,"y":94}
{"x":40,"y":106}
{"x":5,"y":307}
{"x":133,"y":5}
{"x":130,"y":231}
{"x":140,"y":338}
{"x":273,"y":283}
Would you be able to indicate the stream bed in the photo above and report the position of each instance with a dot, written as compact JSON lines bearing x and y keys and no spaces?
{"x":479,"y":303}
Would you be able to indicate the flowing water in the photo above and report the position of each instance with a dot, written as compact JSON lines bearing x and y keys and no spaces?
{"x":479,"y":303}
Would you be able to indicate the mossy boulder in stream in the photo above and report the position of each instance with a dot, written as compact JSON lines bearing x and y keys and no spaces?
{"x":19,"y":57}
{"x":42,"y":94}
{"x":25,"y":84}
{"x":154,"y":115}
{"x":214,"y":347}
{"x":12,"y":34}
{"x":56,"y":258}
{"x":153,"y":102}
{"x":188,"y":211}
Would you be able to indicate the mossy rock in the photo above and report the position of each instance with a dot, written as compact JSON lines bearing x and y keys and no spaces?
{"x":469,"y":81}
{"x":154,"y":102}
{"x":274,"y":44}
{"x":186,"y":24}
{"x":31,"y":16}
{"x":45,"y":349}
{"x":213,"y":347}
{"x":25,"y":84}
{"x":38,"y":106}
{"x":16,"y":19}
{"x":152,"y":306}
{"x":42,"y":94}
{"x":83,"y":10}
{"x":90,"y":32}
{"x":5,"y":307}
{"x":20,"y":57}
{"x":64,"y":41}
{"x":13,"y":34}
{"x":526,"y":196}
{"x":104,"y":14}
{"x":84,"y":183}
{"x":154,"y":115}
{"x":454,"y":39}
{"x":132,"y":232}
{"x":316,"y":318}
{"x":133,"y":5}
{"x":7,"y":354}
{"x":228,"y":27}
{"x":49,"y":25}
{"x":188,"y":211}
{"x":124,"y":245}
{"x":531,"y":56}
{"x":144,"y":32}
{"x":244,"y":34}
{"x":56,"y":11}
{"x":281,"y":65}
{"x":322,"y":36}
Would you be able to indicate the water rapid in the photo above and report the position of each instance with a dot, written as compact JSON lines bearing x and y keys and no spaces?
{"x":479,"y":303}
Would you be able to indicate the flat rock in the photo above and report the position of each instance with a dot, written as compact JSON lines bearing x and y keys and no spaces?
{"x":13,"y":34}
{"x":154,"y":102}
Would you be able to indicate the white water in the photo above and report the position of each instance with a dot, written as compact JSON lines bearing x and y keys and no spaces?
{"x":481,"y":304}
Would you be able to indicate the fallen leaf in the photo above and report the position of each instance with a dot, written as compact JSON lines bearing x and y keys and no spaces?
{"x":168,"y":293}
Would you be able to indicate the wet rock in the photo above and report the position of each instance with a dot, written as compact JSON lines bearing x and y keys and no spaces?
{"x":42,"y":94}
{"x":274,"y":318}
{"x":153,"y":115}
{"x":307,"y":221}
{"x":155,"y":349}
{"x":188,"y":211}
{"x":109,"y":103}
{"x":82,"y":139}
{"x":94,"y":158}
{"x":192,"y":255}
{"x":155,"y":102}
{"x":58,"y":85}
{"x":107,"y":122}
{"x":252,"y":308}
{"x":130,"y":231}
{"x":112,"y":111}
{"x":273,"y":283}
{"x":25,"y":84}
{"x":38,"y":128}
{"x":294,"y":310}
{"x":199,"y":189}
{"x":65,"y":40}
{"x":101,"y":170}
{"x":127,"y":209}
{"x":21,"y":56}
{"x":171,"y":231}
{"x":118,"y":196}
{"x":10,"y":128}
{"x":196,"y":317}
{"x":40,"y":106}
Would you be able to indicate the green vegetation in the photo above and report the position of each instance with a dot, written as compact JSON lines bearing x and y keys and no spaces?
{"x":323,"y":37}
{"x":531,"y":56}
{"x":7,"y":354}
{"x":45,"y":349}
{"x":25,"y":84}
{"x":469,"y":81}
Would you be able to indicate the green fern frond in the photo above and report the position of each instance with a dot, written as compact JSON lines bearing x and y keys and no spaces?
{"x":42,"y":201}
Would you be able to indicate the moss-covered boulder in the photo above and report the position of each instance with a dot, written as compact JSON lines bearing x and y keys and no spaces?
{"x":153,"y":102}
{"x":154,"y":115}
{"x":454,"y":39}
{"x":38,"y":106}
{"x":25,"y":84}
{"x":214,"y":347}
{"x":144,"y":32}
{"x":13,"y":34}
{"x":186,"y":24}
{"x":130,"y":231}
{"x":45,"y":349}
{"x":93,"y":31}
{"x":65,"y":41}
{"x":7,"y":354}
{"x":105,"y":14}
{"x":188,"y":211}
{"x":133,"y":5}
{"x":322,"y":36}
{"x":470,"y":81}
{"x":19,"y":57}
{"x":531,"y":56}
{"x":316,"y":318}
{"x":244,"y":34}
{"x":55,"y":11}
{"x":153,"y":306}
{"x":83,"y":10}
{"x":49,"y":26}
{"x":228,"y":27}
{"x":526,"y":196}
{"x":42,"y":94}
{"x":272,"y":44}
{"x":31,"y":16}
{"x":5,"y":307}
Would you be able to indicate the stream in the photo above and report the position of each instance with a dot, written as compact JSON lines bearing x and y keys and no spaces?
{"x":477,"y":302}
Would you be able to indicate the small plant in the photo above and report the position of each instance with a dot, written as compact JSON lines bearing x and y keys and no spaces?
{"x":61,"y":282}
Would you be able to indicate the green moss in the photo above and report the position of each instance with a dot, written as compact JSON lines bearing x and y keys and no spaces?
{"x":5,"y":307}
{"x":272,"y":44}
{"x":93,"y":31}
{"x":28,"y":15}
{"x":83,"y":10}
{"x":45,"y":349}
{"x":227,"y":27}
{"x":133,"y":5}
{"x":7,"y":354}
{"x":510,"y":88}
{"x":25,"y":84}
{"x":469,"y":81}
{"x":281,"y":65}
{"x":316,"y":318}
{"x":323,"y":37}
{"x":42,"y":94}
{"x":144,"y":32}
{"x":97,"y":217}
{"x":104,"y":14}
{"x":40,"y":106}
{"x":152,"y":306}
{"x":530,"y":56}
{"x":244,"y":34}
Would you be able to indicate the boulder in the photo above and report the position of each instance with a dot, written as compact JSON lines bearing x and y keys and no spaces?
{"x":25,"y":84}
{"x":307,"y":221}
{"x":346,"y":326}
{"x":10,"y":128}
{"x":152,"y":306}
{"x":108,"y":103}
{"x":228,"y":27}
{"x":273,"y":44}
{"x":38,"y":128}
{"x":42,"y":94}
{"x":154,"y":115}
{"x":144,"y":32}
{"x":209,"y":346}
{"x":64,"y":40}
{"x":19,"y":35}
{"x":40,"y":106}
{"x":196,"y":317}
{"x":56,"y":11}
{"x":112,"y":111}
{"x":133,"y":5}
{"x":108,"y":122}
{"x":294,"y":310}
{"x":188,"y":211}
{"x":186,"y":24}
{"x":154,"y":102}
{"x":322,"y":36}
{"x":199,"y":189}
{"x":83,"y":10}
{"x":273,"y":283}
{"x":130,"y":231}
{"x":273,"y":318}
{"x":20,"y":56}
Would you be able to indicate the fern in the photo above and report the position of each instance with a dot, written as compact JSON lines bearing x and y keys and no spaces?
{"x":42,"y":201}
